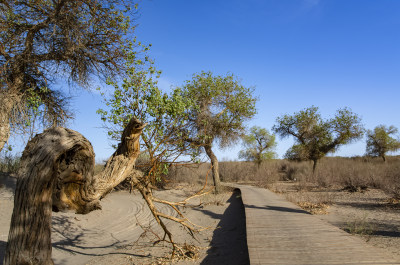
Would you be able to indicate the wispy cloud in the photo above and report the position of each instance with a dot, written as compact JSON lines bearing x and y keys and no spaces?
{"x":311,"y":3}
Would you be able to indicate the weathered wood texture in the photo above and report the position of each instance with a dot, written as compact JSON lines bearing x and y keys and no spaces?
{"x":57,"y":173}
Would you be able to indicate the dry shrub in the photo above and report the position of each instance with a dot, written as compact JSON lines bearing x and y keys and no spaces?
{"x":391,"y":180}
{"x":295,"y":171}
{"x":234,"y":171}
{"x":357,"y":174}
{"x":249,"y":172}
{"x":193,"y":174}
{"x":9,"y":163}
{"x":352,"y":174}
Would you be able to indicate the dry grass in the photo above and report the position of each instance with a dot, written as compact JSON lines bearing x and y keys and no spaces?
{"x":360,"y":226}
{"x":352,"y":174}
{"x":313,"y":202}
{"x":9,"y":163}
{"x":358,"y":174}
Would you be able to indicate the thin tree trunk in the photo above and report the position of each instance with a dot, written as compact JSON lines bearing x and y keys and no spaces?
{"x":258,"y":161}
{"x":4,"y":131}
{"x":57,"y":173}
{"x":315,"y":162}
{"x":215,"y":168}
{"x":5,"y":110}
{"x":384,"y":158}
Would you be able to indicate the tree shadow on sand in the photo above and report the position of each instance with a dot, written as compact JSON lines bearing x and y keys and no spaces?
{"x":72,"y":239}
{"x":229,"y":243}
{"x":7,"y":182}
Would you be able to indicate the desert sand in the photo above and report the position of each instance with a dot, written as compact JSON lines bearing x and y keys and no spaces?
{"x":124,"y":231}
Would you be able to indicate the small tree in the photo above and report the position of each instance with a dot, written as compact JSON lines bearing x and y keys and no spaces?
{"x":258,"y":145}
{"x":379,"y":141}
{"x":139,"y":96}
{"x":221,"y":106}
{"x":316,"y":137}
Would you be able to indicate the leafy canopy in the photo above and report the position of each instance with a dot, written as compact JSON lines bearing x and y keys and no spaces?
{"x":44,"y":42}
{"x":222,"y":105}
{"x":316,"y":137}
{"x":380,"y":141}
{"x":139,"y":96}
{"x":258,"y":145}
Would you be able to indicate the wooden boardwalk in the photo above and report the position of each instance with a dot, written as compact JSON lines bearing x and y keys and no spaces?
{"x":279,"y":232}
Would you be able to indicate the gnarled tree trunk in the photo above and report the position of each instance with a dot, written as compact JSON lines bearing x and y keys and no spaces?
{"x":57,"y":173}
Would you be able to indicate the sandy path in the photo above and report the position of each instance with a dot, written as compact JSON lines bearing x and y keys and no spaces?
{"x":113,"y":236}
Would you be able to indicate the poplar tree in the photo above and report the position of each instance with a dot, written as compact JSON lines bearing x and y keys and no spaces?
{"x":221,"y":107}
{"x":258,"y":145}
{"x":47,"y":44}
{"x":380,"y":141}
{"x":316,"y":137}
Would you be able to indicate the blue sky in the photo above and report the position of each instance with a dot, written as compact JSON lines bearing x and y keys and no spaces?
{"x":297,"y":53}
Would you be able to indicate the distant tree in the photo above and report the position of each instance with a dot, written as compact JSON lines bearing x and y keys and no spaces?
{"x":379,"y":141}
{"x":221,"y":106}
{"x":316,"y":137}
{"x":258,"y":145}
{"x":45,"y":42}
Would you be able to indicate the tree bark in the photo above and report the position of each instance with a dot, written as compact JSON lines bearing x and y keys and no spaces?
{"x":215,"y":168}
{"x":5,"y":110}
{"x":57,"y":173}
{"x":4,"y":130}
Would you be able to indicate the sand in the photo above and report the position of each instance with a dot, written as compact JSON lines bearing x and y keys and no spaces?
{"x":117,"y":233}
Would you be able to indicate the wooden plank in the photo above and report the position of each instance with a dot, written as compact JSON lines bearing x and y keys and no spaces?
{"x":279,"y":232}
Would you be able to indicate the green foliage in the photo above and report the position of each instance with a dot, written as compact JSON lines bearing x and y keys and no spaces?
{"x":43,"y":42}
{"x":139,"y":96}
{"x":297,"y":153}
{"x":379,"y":141}
{"x":221,"y":106}
{"x":258,"y":145}
{"x":316,"y":137}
